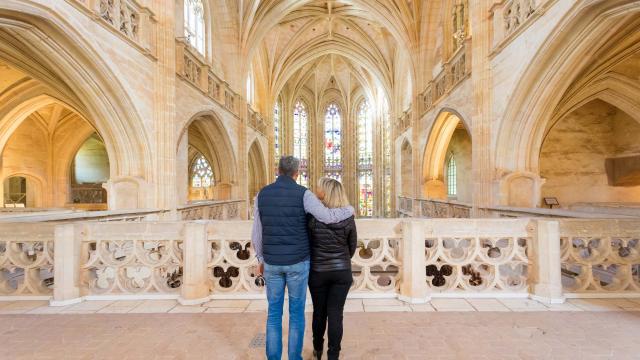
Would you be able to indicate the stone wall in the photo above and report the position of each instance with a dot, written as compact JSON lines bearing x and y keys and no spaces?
{"x":573,"y":155}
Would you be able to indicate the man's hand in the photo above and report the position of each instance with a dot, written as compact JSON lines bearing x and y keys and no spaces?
{"x":261,"y":269}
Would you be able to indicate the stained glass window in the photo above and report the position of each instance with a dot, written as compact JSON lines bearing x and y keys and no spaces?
{"x":301,"y":141}
{"x":365,"y":160}
{"x":201,"y":173}
{"x":452,"y":177}
{"x":276,"y":133}
{"x":365,"y":195}
{"x":194,"y":24}
{"x":333,"y":142}
{"x":387,"y":159}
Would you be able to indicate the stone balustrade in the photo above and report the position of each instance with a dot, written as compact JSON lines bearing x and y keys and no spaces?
{"x":512,"y":17}
{"x":193,"y":68}
{"x":211,"y":210}
{"x":453,"y":72}
{"x":405,"y":206}
{"x":256,"y":121}
{"x":404,"y":122}
{"x":127,"y":18}
{"x":600,"y":256}
{"x":412,"y":259}
{"x":432,"y":208}
{"x":26,"y":261}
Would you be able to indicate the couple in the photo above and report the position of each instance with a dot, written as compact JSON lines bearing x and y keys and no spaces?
{"x":295,"y":231}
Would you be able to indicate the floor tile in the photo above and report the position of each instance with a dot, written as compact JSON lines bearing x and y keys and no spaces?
{"x":227,"y":304}
{"x":182,"y":309}
{"x":22,"y":306}
{"x":386,"y":308}
{"x":221,"y":310}
{"x":566,"y":306}
{"x":154,"y":306}
{"x":523,"y":305}
{"x":422,"y":307}
{"x":487,"y":305}
{"x":383,"y":302}
{"x":451,"y":305}
{"x":595,"y":304}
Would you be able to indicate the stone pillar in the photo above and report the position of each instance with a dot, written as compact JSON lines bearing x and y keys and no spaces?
{"x":478,"y":49}
{"x":66,"y":264}
{"x":195,"y":289}
{"x":547,"y":282}
{"x":165,"y":137}
{"x":413,"y":288}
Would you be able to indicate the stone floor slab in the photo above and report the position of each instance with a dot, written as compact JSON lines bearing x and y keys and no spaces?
{"x":451,"y":305}
{"x":383,"y":335}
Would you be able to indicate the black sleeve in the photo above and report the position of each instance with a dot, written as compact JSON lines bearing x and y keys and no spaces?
{"x":353,"y":238}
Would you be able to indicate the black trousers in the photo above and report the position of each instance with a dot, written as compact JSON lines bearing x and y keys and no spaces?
{"x":328,"y":292}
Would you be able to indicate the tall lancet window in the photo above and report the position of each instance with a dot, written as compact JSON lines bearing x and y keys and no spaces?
{"x":194,"y":24}
{"x":333,"y":142}
{"x":276,"y":134}
{"x":365,"y":160}
{"x":452,"y":177}
{"x":201,"y":173}
{"x":387,"y":158}
{"x":301,"y":141}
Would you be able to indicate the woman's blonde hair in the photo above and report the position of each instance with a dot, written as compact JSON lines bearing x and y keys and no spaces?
{"x":334,"y":194}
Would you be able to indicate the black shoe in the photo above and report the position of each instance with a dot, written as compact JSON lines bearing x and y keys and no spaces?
{"x":317,"y":355}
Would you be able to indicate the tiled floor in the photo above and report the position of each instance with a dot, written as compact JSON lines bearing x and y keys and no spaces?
{"x":352,"y":305}
{"x":374,"y":329}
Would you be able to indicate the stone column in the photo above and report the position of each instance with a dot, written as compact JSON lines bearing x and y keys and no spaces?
{"x":195,"y":288}
{"x":66,"y":264}
{"x":164,"y":103}
{"x":413,"y":288}
{"x":547,"y":284}
{"x":478,"y":49}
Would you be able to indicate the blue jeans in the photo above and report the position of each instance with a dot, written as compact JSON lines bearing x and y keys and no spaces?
{"x":295,"y":277}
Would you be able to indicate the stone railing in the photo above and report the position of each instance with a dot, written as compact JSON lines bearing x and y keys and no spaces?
{"x":88,"y":194}
{"x":127,"y":18}
{"x":600,"y":256}
{"x":256,"y":121}
{"x":477,"y":256}
{"x":211,"y":210}
{"x":516,"y":13}
{"x":431,"y":208}
{"x":453,"y":73}
{"x":412,"y":259}
{"x":232,"y":264}
{"x":404,"y":122}
{"x":511,"y":17}
{"x":518,"y":212}
{"x":405,"y":206}
{"x":26,"y":261}
{"x":193,"y":68}
{"x":67,"y":216}
{"x":148,"y":259}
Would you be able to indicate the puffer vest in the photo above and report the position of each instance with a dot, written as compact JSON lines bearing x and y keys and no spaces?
{"x":285,"y":240}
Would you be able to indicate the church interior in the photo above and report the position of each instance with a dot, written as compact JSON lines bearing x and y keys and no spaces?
{"x":490,"y":149}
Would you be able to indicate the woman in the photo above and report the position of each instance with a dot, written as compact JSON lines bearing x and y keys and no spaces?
{"x":332,"y":247}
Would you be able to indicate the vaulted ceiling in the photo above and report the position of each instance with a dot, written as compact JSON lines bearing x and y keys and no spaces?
{"x":309,"y":42}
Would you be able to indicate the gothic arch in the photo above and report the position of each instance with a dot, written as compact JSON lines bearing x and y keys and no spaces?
{"x":78,"y":72}
{"x":257,"y":169}
{"x":567,"y":53}
{"x":435,"y":151}
{"x":214,"y":143}
{"x":406,"y":168}
{"x":37,"y":187}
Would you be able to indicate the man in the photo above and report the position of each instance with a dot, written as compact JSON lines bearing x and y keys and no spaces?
{"x":282,"y":247}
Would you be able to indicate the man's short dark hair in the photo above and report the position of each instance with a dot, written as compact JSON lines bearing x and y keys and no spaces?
{"x":288,"y":165}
